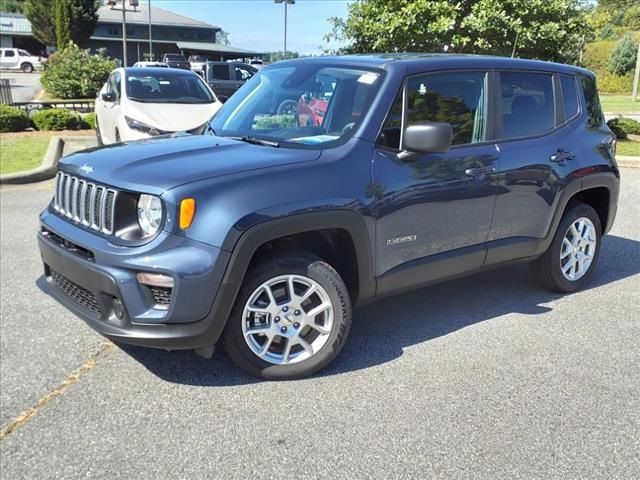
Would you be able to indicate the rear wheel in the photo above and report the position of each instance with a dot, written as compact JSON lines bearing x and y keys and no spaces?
{"x":571,"y":258}
{"x":288,"y":107}
{"x":26,"y":68}
{"x":117,"y":136}
{"x":291,"y":318}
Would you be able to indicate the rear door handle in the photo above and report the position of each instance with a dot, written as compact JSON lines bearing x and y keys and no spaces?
{"x":561,"y":156}
{"x":479,"y":171}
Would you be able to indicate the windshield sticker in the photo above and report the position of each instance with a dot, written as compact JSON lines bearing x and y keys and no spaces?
{"x":368,"y":78}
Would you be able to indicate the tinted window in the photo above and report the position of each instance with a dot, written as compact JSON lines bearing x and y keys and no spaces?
{"x":569,"y":96}
{"x":458,"y":99}
{"x":9,"y":53}
{"x":114,"y":84}
{"x":595,"y":117}
{"x":220,"y":72}
{"x":24,"y":53}
{"x":527,"y":103}
{"x":167,"y":87}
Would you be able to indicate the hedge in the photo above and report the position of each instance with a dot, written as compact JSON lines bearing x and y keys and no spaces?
{"x":89,"y":121}
{"x":623,"y":127}
{"x":56,"y":119}
{"x":13,"y":119}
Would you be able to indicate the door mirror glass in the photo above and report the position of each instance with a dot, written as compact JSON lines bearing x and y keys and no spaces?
{"x":425,"y":136}
{"x":108,"y":97}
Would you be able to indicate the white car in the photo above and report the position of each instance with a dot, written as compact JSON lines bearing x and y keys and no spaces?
{"x":197,"y":63}
{"x":138,"y":103}
{"x":150,"y":64}
{"x":18,"y":59}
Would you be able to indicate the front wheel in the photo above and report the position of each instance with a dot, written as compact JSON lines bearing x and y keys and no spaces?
{"x":291,"y":318}
{"x":571,"y":258}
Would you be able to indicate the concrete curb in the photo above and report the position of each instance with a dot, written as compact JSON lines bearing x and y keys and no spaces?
{"x":628,"y":161}
{"x":47,"y":170}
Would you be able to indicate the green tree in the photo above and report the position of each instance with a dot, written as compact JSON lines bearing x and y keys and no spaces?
{"x":62,"y":23}
{"x":222,"y":37}
{"x":11,"y":6}
{"x":41,"y":15}
{"x":279,"y":55}
{"x":623,"y":57}
{"x":546,"y":29}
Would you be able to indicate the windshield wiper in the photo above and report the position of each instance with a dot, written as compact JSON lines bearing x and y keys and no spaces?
{"x":257,"y":141}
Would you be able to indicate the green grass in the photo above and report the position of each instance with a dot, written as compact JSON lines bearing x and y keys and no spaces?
{"x":628,"y":148}
{"x":619,"y":104}
{"x":21,"y":153}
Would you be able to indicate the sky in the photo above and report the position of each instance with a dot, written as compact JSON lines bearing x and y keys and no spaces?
{"x":259,"y":24}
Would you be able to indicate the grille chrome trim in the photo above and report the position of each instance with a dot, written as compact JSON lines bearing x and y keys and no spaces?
{"x":86,"y":203}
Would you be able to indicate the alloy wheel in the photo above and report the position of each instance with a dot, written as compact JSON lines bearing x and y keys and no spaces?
{"x":578,"y":249}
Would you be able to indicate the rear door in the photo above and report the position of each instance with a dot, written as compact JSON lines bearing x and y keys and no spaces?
{"x":536,"y":156}
{"x":221,"y":79}
{"x":9,"y":58}
{"x":433,"y":210}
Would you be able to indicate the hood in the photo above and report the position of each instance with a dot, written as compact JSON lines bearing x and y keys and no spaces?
{"x":172,"y":117}
{"x":158,"y":164}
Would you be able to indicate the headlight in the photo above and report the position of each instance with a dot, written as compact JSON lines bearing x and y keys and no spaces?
{"x":149,"y":214}
{"x":143,"y":127}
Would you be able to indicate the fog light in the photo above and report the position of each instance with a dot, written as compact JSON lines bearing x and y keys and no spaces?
{"x":155,"y":279}
{"x":118,"y":311}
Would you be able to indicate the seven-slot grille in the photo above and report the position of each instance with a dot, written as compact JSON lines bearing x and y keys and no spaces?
{"x":85,"y":202}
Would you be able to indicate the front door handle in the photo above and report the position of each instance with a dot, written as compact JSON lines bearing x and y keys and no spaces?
{"x":561,"y":156}
{"x":479,"y":171}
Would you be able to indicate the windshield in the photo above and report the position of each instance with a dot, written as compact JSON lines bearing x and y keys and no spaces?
{"x":175,"y":57}
{"x":307,"y":104}
{"x":167,"y":87}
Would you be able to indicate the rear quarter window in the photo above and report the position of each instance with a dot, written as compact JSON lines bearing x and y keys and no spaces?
{"x":595,"y":117}
{"x":569,"y":96}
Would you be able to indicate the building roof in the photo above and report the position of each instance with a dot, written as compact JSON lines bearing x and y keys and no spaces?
{"x":14,"y":24}
{"x":158,"y":17}
{"x":215,"y":47}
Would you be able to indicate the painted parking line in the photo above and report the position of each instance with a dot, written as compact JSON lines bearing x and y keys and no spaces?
{"x":70,"y":380}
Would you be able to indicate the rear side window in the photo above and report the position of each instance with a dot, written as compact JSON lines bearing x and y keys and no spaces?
{"x":569,"y":96}
{"x":595,"y":117}
{"x":527,"y":104}
{"x":9,"y":53}
{"x":220,"y":72}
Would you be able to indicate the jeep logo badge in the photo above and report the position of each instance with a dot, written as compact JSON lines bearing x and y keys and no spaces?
{"x":86,"y":168}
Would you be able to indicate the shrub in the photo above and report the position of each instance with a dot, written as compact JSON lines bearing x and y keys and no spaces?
{"x":623,"y":57}
{"x":623,"y":127}
{"x":609,"y":83}
{"x":13,"y":119}
{"x":632,"y":18}
{"x":89,"y":121}
{"x":56,"y":119}
{"x":76,"y":73}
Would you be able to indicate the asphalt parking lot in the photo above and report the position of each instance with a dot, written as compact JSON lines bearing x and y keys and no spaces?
{"x":24,"y":86}
{"x":484,"y":377}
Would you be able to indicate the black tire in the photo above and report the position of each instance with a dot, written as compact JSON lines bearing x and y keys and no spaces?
{"x":547,"y":268}
{"x":26,"y":67}
{"x":288,"y":107}
{"x":307,"y":265}
{"x":117,"y":136}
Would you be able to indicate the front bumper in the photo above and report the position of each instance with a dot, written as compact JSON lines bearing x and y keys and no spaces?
{"x":97,"y":281}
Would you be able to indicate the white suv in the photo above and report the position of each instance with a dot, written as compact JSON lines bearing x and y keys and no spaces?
{"x":18,"y":59}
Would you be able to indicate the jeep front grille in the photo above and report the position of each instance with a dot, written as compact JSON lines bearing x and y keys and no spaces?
{"x":87,"y":203}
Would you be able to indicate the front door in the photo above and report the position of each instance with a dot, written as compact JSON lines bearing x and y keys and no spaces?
{"x":433,"y":211}
{"x":219,"y":77}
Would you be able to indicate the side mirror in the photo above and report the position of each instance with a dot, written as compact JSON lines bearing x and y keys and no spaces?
{"x":108,"y":97}
{"x":431,"y":137}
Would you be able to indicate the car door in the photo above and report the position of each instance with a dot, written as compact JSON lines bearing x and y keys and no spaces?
{"x":220,"y":80}
{"x":9,"y":58}
{"x":433,"y":210}
{"x":536,"y":156}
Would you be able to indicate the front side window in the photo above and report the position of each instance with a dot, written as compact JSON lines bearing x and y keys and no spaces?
{"x":309,"y":104}
{"x":456,"y":98}
{"x":24,"y":53}
{"x":527,"y":104}
{"x":220,"y":72}
{"x":569,"y":96}
{"x":167,"y":87}
{"x":113,"y":86}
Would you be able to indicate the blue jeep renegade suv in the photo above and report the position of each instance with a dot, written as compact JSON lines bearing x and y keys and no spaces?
{"x":385,"y":173}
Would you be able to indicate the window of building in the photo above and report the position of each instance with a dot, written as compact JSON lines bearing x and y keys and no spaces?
{"x":527,"y":104}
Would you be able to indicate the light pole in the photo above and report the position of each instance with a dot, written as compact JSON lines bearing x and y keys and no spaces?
{"x":286,"y":2}
{"x":150,"y":40}
{"x":134,"y":4}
